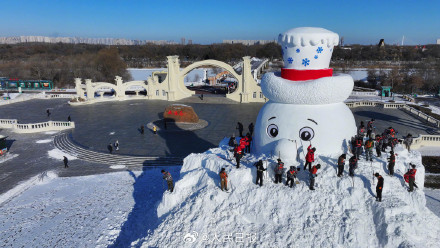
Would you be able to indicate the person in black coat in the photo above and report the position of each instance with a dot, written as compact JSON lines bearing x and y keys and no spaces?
{"x":379,"y":187}
{"x":240,"y":128}
{"x":65,"y":160}
{"x":110,"y":148}
{"x":341,"y":164}
{"x":260,"y":170}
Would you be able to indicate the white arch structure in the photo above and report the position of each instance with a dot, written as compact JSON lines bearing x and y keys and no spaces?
{"x":169,"y":85}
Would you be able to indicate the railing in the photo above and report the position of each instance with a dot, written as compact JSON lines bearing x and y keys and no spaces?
{"x":364,"y":93}
{"x":61,"y":95}
{"x":362,"y":104}
{"x":421,"y":115}
{"x":36,"y":127}
{"x":393,"y":105}
{"x":426,"y":140}
{"x":7,"y":123}
{"x":408,"y":97}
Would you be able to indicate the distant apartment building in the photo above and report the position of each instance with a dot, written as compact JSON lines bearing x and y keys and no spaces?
{"x":438,"y":41}
{"x":248,"y":42}
{"x":78,"y":40}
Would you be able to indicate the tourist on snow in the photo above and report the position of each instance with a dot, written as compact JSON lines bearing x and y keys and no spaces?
{"x":313,"y":176}
{"x":69,"y":119}
{"x":358,"y":146}
{"x":369,"y":144}
{"x":352,"y":165}
{"x":385,"y":139}
{"x":154,"y":129}
{"x":251,"y":128}
{"x":167,"y":176}
{"x":242,"y":144}
{"x":238,"y":154}
{"x":410,"y":177}
{"x":110,"y":148}
{"x":393,"y":143}
{"x":379,"y":187}
{"x":65,"y":160}
{"x":370,"y":128}
{"x":310,"y":157}
{"x":116,"y":145}
{"x":223,"y":180}
{"x":260,"y":170}
{"x":361,"y":129}
{"x":408,"y":141}
{"x":378,"y":144}
{"x":142,"y":129}
{"x":291,"y":175}
{"x":248,"y":140}
{"x":392,"y":162}
{"x":279,"y":170}
{"x":240,"y":128}
{"x":341,"y":164}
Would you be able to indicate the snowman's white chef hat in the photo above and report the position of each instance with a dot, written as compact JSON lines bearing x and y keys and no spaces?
{"x":306,"y":78}
{"x":307,"y":52}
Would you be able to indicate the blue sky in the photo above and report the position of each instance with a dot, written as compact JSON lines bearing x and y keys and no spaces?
{"x":358,"y":21}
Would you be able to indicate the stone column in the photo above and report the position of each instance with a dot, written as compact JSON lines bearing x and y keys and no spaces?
{"x":89,"y":90}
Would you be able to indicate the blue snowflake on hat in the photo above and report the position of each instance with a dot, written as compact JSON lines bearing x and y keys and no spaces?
{"x":290,"y":60}
{"x":306,"y":62}
{"x":319,"y":50}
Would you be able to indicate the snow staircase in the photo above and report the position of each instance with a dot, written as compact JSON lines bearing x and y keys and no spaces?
{"x":65,"y":144}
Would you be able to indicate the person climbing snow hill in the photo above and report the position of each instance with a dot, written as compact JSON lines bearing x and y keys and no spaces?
{"x":341,"y":164}
{"x":352,"y":165}
{"x":238,"y":154}
{"x":369,"y":144}
{"x":378,"y":144}
{"x":408,"y":141}
{"x":260,"y":170}
{"x":167,"y":176}
{"x":279,"y":170}
{"x":313,"y":175}
{"x":392,"y":162}
{"x":379,"y":187}
{"x":310,"y":157}
{"x":291,"y":175}
{"x":223,"y":180}
{"x":410,"y":177}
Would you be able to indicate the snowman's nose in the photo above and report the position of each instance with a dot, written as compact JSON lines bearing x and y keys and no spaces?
{"x":285,"y":149}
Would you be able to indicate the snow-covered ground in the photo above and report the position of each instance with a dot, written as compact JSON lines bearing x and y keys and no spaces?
{"x":89,"y":211}
{"x":129,"y":208}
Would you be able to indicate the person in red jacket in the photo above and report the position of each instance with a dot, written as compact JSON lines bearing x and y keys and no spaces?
{"x":238,"y":154}
{"x":223,"y":180}
{"x":310,"y":157}
{"x":242,"y":145}
{"x":411,"y":175}
{"x":313,"y":175}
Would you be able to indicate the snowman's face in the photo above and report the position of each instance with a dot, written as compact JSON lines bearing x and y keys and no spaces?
{"x":281,"y":128}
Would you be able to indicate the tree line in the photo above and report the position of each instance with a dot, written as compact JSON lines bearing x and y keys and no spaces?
{"x":413,"y":68}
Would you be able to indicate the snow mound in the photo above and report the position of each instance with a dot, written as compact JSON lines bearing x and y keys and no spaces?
{"x":118,"y":166}
{"x":336,"y":214}
{"x":43,"y":141}
{"x":58,"y":154}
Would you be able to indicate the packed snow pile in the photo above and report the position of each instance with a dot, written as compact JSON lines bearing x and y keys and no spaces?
{"x":336,"y":214}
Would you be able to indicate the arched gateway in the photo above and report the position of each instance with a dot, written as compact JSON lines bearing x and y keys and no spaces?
{"x":169,"y":85}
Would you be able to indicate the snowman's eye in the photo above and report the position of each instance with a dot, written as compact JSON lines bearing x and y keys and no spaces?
{"x":272,"y":130}
{"x":306,"y":133}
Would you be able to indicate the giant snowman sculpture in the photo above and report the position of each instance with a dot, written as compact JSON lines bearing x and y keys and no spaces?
{"x":305,"y":100}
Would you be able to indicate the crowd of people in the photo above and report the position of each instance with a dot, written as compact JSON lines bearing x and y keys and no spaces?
{"x":364,"y":142}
